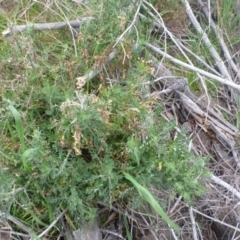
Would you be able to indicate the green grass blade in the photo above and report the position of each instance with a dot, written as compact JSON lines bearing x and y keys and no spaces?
{"x":19,"y":125}
{"x":37,"y":219}
{"x":146,"y":195}
{"x":25,"y":157}
{"x":126,"y":227}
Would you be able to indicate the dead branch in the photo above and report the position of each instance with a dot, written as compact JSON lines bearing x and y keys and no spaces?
{"x":190,"y":67}
{"x":226,"y":185}
{"x":218,"y":61}
{"x":220,"y":38}
{"x":43,"y":26}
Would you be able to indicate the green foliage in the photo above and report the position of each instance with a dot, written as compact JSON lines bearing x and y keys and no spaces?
{"x":227,"y":14}
{"x":96,"y":139}
{"x":151,"y":200}
{"x":19,"y":126}
{"x":65,"y":148}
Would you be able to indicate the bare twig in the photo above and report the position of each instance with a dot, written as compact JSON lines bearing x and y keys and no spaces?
{"x":218,"y":61}
{"x":219,"y":37}
{"x":216,"y":220}
{"x":175,"y":205}
{"x":16,"y":233}
{"x":17,"y":222}
{"x":111,"y":232}
{"x":51,"y":225}
{"x":219,"y":181}
{"x":199,"y":59}
{"x":233,"y":237}
{"x":194,"y":230}
{"x":174,"y":235}
{"x":190,"y":67}
{"x":176,"y":42}
{"x":44,"y":26}
{"x":180,"y":85}
{"x":120,"y":38}
{"x":150,"y":229}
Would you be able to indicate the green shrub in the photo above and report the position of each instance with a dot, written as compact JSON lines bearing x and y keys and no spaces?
{"x":63,"y":148}
{"x":95,"y":140}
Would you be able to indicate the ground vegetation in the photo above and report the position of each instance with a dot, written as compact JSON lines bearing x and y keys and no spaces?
{"x":119,"y":119}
